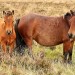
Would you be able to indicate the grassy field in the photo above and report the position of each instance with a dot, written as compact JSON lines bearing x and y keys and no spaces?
{"x":52,"y":62}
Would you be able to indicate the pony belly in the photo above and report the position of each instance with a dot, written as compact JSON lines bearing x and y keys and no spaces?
{"x":48,"y":41}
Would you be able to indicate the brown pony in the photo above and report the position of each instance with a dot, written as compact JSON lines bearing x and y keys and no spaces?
{"x":7,"y":32}
{"x":49,"y":31}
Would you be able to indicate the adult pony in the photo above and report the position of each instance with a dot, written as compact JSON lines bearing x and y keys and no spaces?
{"x":7,"y":32}
{"x":49,"y":31}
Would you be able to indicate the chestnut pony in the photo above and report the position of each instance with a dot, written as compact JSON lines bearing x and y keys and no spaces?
{"x":7,"y":32}
{"x":49,"y":31}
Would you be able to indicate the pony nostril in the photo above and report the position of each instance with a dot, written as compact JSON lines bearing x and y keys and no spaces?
{"x":70,"y":35}
{"x":8,"y":32}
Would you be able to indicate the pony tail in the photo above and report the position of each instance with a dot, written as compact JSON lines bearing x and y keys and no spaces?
{"x":19,"y":40}
{"x":17,"y":22}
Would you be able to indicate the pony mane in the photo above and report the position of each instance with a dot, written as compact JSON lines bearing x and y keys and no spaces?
{"x":8,"y":13}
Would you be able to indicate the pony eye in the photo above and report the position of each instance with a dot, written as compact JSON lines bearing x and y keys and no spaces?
{"x":13,"y":22}
{"x":4,"y":21}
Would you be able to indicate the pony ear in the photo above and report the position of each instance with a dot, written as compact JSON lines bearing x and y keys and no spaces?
{"x":67,"y":15}
{"x":13,"y":12}
{"x":72,"y":12}
{"x":4,"y":12}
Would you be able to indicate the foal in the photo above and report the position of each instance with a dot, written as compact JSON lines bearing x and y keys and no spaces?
{"x":7,"y":32}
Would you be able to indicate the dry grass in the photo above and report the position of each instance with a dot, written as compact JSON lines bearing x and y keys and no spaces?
{"x":44,"y":8}
{"x":25,"y":65}
{"x":53,"y":1}
{"x":51,"y":63}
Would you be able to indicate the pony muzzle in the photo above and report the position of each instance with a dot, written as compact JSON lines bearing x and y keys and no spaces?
{"x":8,"y":32}
{"x":71,"y":36}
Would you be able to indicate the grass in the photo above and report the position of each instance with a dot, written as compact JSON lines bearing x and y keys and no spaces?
{"x":48,"y":61}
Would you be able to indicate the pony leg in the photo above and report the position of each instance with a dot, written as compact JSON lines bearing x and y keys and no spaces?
{"x":70,"y":56}
{"x":67,"y":50}
{"x":3,"y":46}
{"x":11,"y":48}
{"x":28,"y":42}
{"x":70,"y":53}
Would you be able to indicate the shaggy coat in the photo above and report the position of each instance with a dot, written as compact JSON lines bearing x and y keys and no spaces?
{"x":48,"y":31}
{"x":7,"y":32}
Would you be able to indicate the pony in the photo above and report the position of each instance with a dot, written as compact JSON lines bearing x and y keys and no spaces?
{"x":48,"y":31}
{"x":7,"y":31}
